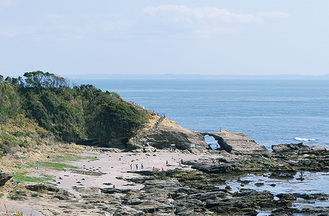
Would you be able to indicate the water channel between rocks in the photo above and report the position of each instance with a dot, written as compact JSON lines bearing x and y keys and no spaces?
{"x":313,"y":183}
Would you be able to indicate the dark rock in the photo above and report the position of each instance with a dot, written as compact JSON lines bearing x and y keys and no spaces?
{"x":259,"y":184}
{"x":114,"y":190}
{"x":18,"y":197}
{"x":84,"y":172}
{"x":41,"y":187}
{"x":61,"y":197}
{"x":286,"y":196}
{"x":244,"y":181}
{"x":228,"y":188}
{"x":4,"y":177}
{"x":282,"y":148}
{"x":283,"y":175}
{"x":318,"y":148}
{"x":208,"y":196}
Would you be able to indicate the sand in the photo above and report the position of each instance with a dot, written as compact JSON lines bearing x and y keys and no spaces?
{"x":116,"y":167}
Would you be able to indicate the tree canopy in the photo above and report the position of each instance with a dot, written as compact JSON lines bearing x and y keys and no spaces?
{"x":73,"y":113}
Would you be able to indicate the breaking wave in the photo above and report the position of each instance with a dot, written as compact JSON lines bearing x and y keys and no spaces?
{"x":303,"y":139}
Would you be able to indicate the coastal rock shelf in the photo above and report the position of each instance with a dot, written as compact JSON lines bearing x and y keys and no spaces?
{"x":154,"y":177}
{"x":237,"y":142}
{"x":162,"y":133}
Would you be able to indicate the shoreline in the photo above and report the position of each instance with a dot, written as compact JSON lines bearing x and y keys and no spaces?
{"x":109,"y":180}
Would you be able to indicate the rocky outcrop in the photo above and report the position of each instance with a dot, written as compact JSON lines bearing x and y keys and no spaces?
{"x":4,"y":177}
{"x":161,"y":133}
{"x":299,"y":148}
{"x":282,"y":148}
{"x":237,"y":142}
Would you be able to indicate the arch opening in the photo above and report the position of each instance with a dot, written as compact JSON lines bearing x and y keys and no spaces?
{"x":212,"y":142}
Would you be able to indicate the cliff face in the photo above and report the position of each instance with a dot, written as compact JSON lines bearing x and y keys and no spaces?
{"x":161,"y":133}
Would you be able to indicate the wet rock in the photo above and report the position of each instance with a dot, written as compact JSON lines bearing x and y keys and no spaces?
{"x":259,"y":184}
{"x":286,"y":197}
{"x":283,"y":175}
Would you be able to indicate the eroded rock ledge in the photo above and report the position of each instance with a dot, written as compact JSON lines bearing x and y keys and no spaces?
{"x":161,"y":133}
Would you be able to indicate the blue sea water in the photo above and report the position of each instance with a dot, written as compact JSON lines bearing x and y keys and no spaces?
{"x":269,"y":111}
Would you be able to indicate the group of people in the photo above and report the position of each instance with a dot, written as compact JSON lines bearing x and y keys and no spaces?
{"x":15,"y":184}
{"x":141,"y":166}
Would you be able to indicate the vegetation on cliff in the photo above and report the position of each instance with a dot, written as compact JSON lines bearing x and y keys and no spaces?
{"x":71,"y":114}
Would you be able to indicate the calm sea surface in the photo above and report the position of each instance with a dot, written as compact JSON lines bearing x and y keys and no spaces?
{"x":268,"y":111}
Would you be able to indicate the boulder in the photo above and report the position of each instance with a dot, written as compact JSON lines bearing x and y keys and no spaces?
{"x":4,"y":177}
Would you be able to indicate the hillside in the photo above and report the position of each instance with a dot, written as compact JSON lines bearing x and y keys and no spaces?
{"x":69,"y":113}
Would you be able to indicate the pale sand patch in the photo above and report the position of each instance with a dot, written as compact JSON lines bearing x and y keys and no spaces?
{"x":117,"y":165}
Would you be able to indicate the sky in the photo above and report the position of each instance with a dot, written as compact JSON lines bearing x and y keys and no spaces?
{"x":207,"y":37}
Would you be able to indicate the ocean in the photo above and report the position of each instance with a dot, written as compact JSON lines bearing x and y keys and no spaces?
{"x":269,"y":111}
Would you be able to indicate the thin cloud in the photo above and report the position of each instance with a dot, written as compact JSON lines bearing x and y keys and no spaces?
{"x":174,"y":21}
{"x":68,"y":27}
{"x":276,"y":14}
{"x":7,"y":3}
{"x":206,"y":22}
{"x":202,"y":14}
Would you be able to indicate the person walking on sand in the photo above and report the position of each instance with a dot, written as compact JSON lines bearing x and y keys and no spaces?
{"x":166,"y":162}
{"x":142,"y":166}
{"x":137,"y":166}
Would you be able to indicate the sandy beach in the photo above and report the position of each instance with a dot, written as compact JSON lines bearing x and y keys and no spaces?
{"x":116,"y":167}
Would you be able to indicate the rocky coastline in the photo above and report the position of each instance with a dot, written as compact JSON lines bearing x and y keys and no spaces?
{"x":197,"y":185}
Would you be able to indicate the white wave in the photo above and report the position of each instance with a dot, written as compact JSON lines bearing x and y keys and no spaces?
{"x":303,"y":139}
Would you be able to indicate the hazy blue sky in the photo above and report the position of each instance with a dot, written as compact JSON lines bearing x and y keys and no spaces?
{"x":152,"y":37}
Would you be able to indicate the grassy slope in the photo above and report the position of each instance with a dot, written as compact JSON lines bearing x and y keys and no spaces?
{"x":30,"y":143}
